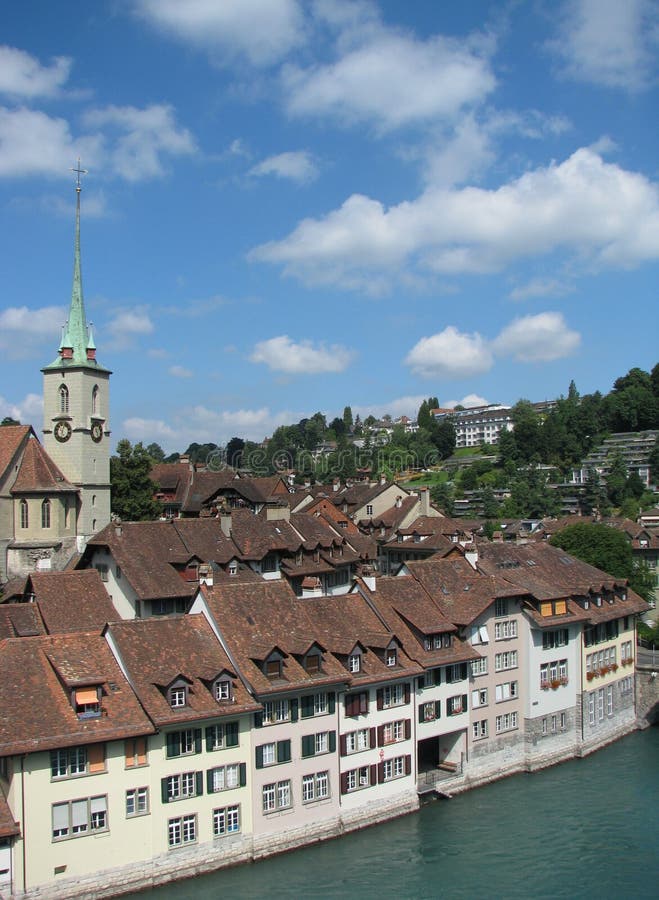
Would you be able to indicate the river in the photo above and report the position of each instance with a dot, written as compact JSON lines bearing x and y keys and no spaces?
{"x":587,"y":828}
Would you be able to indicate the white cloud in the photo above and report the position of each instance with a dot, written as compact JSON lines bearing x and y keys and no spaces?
{"x":595,"y":211}
{"x":400,"y":406}
{"x":23,"y":76}
{"x":450,"y":354}
{"x":23,"y":331}
{"x":148,"y":430}
{"x":126,"y":325}
{"x":609,"y":42}
{"x":28,"y":411}
{"x":281,"y":354}
{"x":468,"y":401}
{"x":33,"y":143}
{"x":142,"y":137}
{"x":540,"y":338}
{"x":180,"y":372}
{"x":391,"y":79}
{"x":297,"y":166}
{"x":540,"y":287}
{"x":261,"y":30}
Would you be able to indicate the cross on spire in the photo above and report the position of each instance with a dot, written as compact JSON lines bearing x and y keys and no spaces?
{"x":78,"y":172}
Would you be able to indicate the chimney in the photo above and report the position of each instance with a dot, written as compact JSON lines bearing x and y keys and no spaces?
{"x":225,"y":523}
{"x":471,"y":554}
{"x":336,"y":484}
{"x":383,"y":478}
{"x":206,"y":574}
{"x":368,"y":577}
{"x":424,"y":501}
{"x":399,"y":502}
{"x":117,"y":527}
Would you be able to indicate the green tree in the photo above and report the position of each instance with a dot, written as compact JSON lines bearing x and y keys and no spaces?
{"x":604,"y":547}
{"x":156,"y":452}
{"x":9,"y":421}
{"x":347,"y":419}
{"x":132,"y":489}
{"x":234,"y":451}
{"x":616,"y":480}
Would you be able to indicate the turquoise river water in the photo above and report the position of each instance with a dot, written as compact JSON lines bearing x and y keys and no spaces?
{"x":587,"y":828}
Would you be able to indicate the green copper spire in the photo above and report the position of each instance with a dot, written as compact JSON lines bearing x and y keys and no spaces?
{"x":77,"y":347}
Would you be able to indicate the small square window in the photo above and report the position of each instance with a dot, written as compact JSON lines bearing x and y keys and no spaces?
{"x":354,"y":662}
{"x":177,"y":697}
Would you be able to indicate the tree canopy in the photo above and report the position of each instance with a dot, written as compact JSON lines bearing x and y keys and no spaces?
{"x":132,"y":488}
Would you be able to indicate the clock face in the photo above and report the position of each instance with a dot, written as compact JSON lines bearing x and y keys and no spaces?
{"x":97,"y":432}
{"x":62,"y":431}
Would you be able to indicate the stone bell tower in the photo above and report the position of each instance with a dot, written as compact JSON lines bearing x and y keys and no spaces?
{"x":76,"y":425}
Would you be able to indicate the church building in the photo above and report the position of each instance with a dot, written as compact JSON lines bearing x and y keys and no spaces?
{"x":55,"y":496}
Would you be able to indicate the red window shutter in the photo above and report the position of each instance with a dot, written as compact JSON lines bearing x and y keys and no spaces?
{"x":140,"y":750}
{"x":363,"y":702}
{"x":129,"y":748}
{"x":96,"y":757}
{"x":344,"y":782}
{"x":371,"y":742}
{"x":380,"y":735}
{"x":380,"y":772}
{"x":408,"y":729}
{"x":380,"y":698}
{"x":374,"y":774}
{"x":408,"y":764}
{"x":407,"y":692}
{"x":343,"y":749}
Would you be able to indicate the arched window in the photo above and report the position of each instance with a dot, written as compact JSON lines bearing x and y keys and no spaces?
{"x":95,"y":400}
{"x":93,"y":499}
{"x":25,"y":518}
{"x":63,"y":399}
{"x":66,"y":512}
{"x":45,"y":513}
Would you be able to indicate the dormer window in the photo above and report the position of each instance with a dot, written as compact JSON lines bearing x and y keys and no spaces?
{"x":87,"y":703}
{"x":312,"y":663}
{"x":355,"y":662}
{"x":222,"y":690}
{"x":273,"y":668}
{"x":391,"y":657}
{"x":178,"y":697}
{"x":233,"y":567}
{"x":298,"y":558}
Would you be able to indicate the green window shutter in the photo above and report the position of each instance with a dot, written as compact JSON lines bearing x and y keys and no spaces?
{"x":306,"y":707}
{"x":231,"y":734}
{"x":259,"y":757}
{"x":209,"y":738}
{"x":465,"y":698}
{"x":420,"y":682}
{"x":197,"y":740}
{"x":209,"y":781}
{"x":438,"y":709}
{"x":258,"y":720}
{"x":308,"y":745}
{"x":199,"y":779}
{"x":283,"y":751}
{"x":331,"y":701}
{"x":463,"y":670}
{"x":294,"y":709}
{"x":243,"y":774}
{"x":174,"y":744}
{"x":332,"y":741}
{"x":437,"y":676}
{"x":163,"y":790}
{"x":420,"y":712}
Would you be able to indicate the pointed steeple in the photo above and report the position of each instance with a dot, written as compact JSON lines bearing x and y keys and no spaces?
{"x":77,"y":345}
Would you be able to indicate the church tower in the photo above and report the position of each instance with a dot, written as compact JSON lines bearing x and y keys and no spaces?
{"x":77,"y":408}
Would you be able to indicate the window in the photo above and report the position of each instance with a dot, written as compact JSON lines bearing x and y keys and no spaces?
{"x":322,"y":742}
{"x":269,"y":563}
{"x":393,"y":732}
{"x":86,"y":703}
{"x":506,"y":722}
{"x":182,"y":830}
{"x":392,"y":695}
{"x":182,"y":786}
{"x":393,"y":768}
{"x":79,"y":817}
{"x":95,"y":400}
{"x":479,"y":729}
{"x":457,"y":672}
{"x":273,"y":668}
{"x":501,"y":607}
{"x":356,"y":704}
{"x":591,"y":708}
{"x":609,"y":700}
{"x":506,"y":660}
{"x":183,"y":743}
{"x":479,"y":634}
{"x":63,"y":399}
{"x":315,"y":787}
{"x":503,"y":631}
{"x":312,"y":663}
{"x":218,"y":737}
{"x":319,"y":704}
{"x":355,"y":741}
{"x":479,"y":697}
{"x":276,"y":796}
{"x":276,"y":711}
{"x":25,"y":515}
{"x":479,"y":667}
{"x":226,"y":820}
{"x":626,"y":652}
{"x":225,"y":778}
{"x":357,"y":779}
{"x":600,"y":705}
{"x":273,"y":753}
{"x":626,"y":684}
{"x":177,"y":697}
{"x":45,"y":513}
{"x":354,"y":662}
{"x":222,"y":690}
{"x":77,"y":761}
{"x":456,"y":705}
{"x":553,"y":639}
{"x":390,"y":657}
{"x":507,"y":690}
{"x":137,"y":802}
{"x":553,"y":674}
{"x":430,"y":711}
{"x":369,"y":509}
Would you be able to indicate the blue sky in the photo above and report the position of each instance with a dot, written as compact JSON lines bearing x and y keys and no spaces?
{"x":294,"y":206}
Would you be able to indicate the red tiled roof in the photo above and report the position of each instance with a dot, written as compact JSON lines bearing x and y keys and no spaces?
{"x":11,"y":438}
{"x":38,"y":473}
{"x":71,"y":600}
